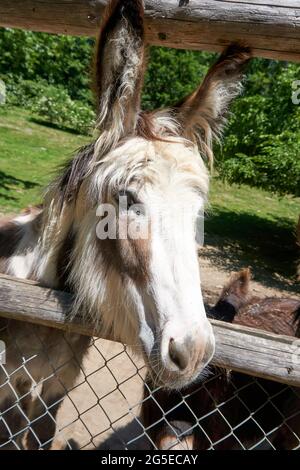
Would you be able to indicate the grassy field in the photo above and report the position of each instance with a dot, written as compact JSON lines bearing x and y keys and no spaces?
{"x":258,"y":223}
{"x":250,"y":227}
{"x":29,"y":156}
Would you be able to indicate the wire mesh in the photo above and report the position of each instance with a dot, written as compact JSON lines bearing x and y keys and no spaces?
{"x":110,"y":404}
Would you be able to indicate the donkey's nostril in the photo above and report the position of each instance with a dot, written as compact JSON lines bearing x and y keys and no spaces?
{"x":179,"y":354}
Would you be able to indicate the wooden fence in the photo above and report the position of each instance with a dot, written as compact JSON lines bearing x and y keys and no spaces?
{"x":243,"y":349}
{"x":270,"y":27}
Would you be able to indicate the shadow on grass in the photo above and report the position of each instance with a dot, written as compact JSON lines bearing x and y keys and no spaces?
{"x":243,"y":239}
{"x":59,"y":127}
{"x":10,"y":183}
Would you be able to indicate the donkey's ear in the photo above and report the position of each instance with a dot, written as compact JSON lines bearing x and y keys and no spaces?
{"x":119,"y":67}
{"x":202,"y":114}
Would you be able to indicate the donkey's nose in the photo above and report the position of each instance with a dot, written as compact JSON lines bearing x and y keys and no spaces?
{"x":179,"y":354}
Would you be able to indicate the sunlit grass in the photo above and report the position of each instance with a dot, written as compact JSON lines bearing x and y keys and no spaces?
{"x":29,"y":156}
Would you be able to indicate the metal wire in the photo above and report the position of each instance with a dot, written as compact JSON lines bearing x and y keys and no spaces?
{"x":103,"y":407}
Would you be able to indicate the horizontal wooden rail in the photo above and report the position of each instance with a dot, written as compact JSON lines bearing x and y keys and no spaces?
{"x":270,"y":27}
{"x":247,"y":350}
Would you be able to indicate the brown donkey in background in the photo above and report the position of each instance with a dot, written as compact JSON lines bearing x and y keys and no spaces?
{"x":208,"y":412}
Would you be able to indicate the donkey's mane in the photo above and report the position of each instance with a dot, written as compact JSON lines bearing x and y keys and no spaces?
{"x":160,"y":126}
{"x":72,"y":173}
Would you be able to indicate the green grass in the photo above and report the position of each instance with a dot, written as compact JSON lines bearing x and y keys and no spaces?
{"x":29,"y":156}
{"x":30,"y":153}
{"x":257,"y":226}
{"x":252,"y":227}
{"x":249,"y":210}
{"x":263,"y":204}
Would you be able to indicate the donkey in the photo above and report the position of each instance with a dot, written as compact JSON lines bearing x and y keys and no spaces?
{"x":201,"y":416}
{"x":143,"y":291}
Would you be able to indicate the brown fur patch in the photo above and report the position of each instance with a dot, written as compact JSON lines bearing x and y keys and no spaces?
{"x":237,"y":305}
{"x":234,"y":296}
{"x":164,"y":407}
{"x":176,"y":440}
{"x":10,"y":236}
{"x":73,"y":174}
{"x":12,"y":232}
{"x":200,"y":114}
{"x":146,"y":128}
{"x":228,"y":67}
{"x":297,"y":322}
{"x":271,"y":314}
{"x":63,"y":262}
{"x":128,"y":14}
{"x":128,"y":257}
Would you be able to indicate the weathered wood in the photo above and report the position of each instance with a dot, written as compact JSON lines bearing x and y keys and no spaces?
{"x":26,"y":301}
{"x":270,"y":27}
{"x":247,"y":350}
{"x":256,"y":352}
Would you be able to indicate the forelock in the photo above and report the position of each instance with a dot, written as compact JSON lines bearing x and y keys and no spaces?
{"x":141,"y":158}
{"x":141,"y":161}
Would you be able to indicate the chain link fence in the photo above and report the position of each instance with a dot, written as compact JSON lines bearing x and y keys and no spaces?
{"x":111,"y":406}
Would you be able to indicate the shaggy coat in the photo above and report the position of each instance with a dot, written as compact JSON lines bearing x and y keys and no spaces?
{"x":141,"y":292}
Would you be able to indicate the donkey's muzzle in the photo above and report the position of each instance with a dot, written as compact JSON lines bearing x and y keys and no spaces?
{"x":185,"y":357}
{"x":179,"y":354}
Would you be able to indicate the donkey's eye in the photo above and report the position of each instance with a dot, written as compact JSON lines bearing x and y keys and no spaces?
{"x":126,"y":199}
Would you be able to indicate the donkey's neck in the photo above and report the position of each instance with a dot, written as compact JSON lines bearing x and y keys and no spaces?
{"x":54,"y":247}
{"x":18,"y":243}
{"x":36,"y":246}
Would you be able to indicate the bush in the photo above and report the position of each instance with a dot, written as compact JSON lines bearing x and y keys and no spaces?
{"x":173,"y":74}
{"x":50,"y":104}
{"x":23,"y":92}
{"x":50,"y":75}
{"x":57,"y":59}
{"x":57,"y":108}
{"x":261,"y":145}
{"x":276,"y":167}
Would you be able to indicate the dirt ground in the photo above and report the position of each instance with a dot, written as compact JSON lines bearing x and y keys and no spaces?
{"x":217,"y":262}
{"x":102,"y":411}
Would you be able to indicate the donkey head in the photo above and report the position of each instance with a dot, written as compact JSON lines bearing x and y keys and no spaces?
{"x":135,"y":195}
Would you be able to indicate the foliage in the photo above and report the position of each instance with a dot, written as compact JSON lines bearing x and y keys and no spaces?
{"x":172,"y":74}
{"x":275,"y":166}
{"x":262,"y":142}
{"x":56,"y":107}
{"x":50,"y":104}
{"x":60,"y":60}
{"x":49,"y":75}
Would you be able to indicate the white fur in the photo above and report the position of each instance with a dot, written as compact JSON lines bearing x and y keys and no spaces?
{"x":175,"y":183}
{"x":21,"y":264}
